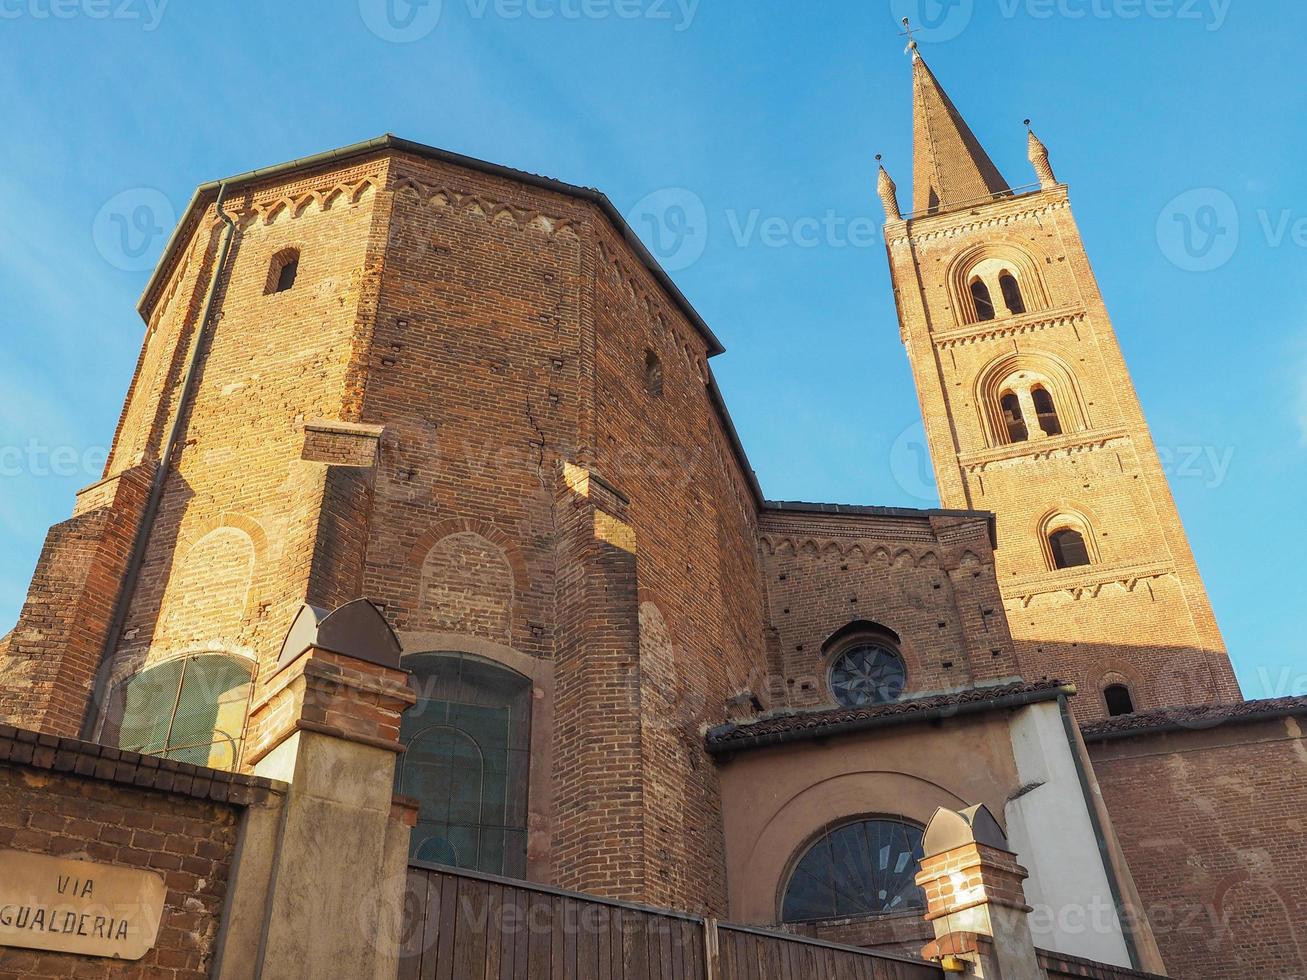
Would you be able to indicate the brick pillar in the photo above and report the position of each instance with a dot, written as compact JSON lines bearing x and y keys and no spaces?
{"x":49,"y":660}
{"x":598,"y":846}
{"x":318,"y":890}
{"x":975,"y":899}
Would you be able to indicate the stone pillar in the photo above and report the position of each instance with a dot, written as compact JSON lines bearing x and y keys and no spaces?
{"x":327,"y":872}
{"x":975,"y":899}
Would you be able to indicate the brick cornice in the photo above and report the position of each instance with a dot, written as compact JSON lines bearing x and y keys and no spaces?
{"x":1069,"y":444}
{"x":974,"y":333}
{"x":53,"y":753}
{"x":1082,"y":582}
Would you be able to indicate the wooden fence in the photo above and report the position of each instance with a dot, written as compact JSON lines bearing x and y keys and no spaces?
{"x":464,"y":926}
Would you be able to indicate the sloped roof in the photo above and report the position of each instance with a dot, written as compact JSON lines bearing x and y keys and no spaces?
{"x":790,"y":726}
{"x":949,"y":166}
{"x":1193,"y":718}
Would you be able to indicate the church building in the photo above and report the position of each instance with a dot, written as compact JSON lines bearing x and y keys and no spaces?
{"x":428,"y":581}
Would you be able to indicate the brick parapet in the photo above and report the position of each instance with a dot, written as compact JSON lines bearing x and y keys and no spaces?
{"x":331,"y":694}
{"x":970,"y":876}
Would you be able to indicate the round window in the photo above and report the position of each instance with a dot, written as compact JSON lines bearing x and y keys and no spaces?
{"x":867,"y":674}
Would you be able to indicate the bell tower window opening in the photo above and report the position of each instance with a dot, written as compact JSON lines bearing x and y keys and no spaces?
{"x":1068,"y":548}
{"x":1013,"y":418}
{"x":984,"y":303}
{"x":282,"y":270}
{"x":1016,"y":303}
{"x":1046,"y":411}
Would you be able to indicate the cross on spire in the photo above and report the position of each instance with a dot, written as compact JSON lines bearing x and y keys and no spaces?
{"x":908,"y":32}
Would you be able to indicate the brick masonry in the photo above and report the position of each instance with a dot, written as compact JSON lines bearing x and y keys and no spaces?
{"x":71,"y":799}
{"x":1211,"y":820}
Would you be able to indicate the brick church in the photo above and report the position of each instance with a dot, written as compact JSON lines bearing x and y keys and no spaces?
{"x":427,"y":546}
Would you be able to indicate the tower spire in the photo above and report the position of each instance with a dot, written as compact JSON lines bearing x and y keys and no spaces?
{"x":1039,"y":160}
{"x":950,"y":167}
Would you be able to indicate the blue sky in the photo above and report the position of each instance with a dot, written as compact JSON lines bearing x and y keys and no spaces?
{"x":756,"y":123}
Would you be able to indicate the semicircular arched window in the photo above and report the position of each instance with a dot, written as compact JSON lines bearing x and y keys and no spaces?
{"x":867,"y":673}
{"x":192,"y":709}
{"x":860,"y":869}
{"x":466,"y":761}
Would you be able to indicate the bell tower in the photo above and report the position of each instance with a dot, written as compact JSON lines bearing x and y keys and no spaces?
{"x":1030,"y":413}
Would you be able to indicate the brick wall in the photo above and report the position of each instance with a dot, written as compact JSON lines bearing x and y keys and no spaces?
{"x":929,"y":580}
{"x":69,"y":799}
{"x":1139,"y":614}
{"x":1211,"y":822}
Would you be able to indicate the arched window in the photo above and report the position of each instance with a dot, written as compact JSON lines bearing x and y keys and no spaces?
{"x":1119,"y":701}
{"x":984,"y":304}
{"x":1068,"y":548}
{"x":282,"y":271}
{"x":653,"y":374}
{"x":1011,"y":292}
{"x":1013,"y":419}
{"x":192,"y":710}
{"x":870,"y":671}
{"x":1047,"y":412}
{"x":864,"y":868}
{"x":466,"y":760}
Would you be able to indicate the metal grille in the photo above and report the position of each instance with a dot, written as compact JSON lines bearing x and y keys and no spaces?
{"x":868,"y":674}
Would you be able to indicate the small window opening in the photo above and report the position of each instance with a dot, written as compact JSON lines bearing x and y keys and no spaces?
{"x":1013,"y":419}
{"x":1069,"y":548}
{"x":1047,"y":412}
{"x":653,"y":374}
{"x":285,"y":267}
{"x":984,"y":304}
{"x":1119,"y":701}
{"x":1011,"y":293}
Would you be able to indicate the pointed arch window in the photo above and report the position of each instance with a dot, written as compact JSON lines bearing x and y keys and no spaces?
{"x":1013,"y":418}
{"x":1047,"y":411}
{"x":1068,"y":548}
{"x":1118,"y":699}
{"x":466,"y":760}
{"x":984,"y":303}
{"x":1012,"y":297}
{"x":191,"y":709}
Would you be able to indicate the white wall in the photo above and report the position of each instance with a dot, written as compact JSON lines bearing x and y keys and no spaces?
{"x":1050,"y":829}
